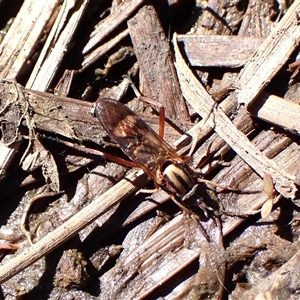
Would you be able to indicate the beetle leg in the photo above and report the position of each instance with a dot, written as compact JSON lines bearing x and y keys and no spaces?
{"x":190,"y":193}
{"x":227,"y":188}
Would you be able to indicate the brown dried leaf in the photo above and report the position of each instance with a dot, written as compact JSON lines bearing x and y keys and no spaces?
{"x":267,"y":207}
{"x":268,"y":185}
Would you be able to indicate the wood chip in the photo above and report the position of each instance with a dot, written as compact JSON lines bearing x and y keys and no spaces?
{"x":111,"y":22}
{"x":24,"y":36}
{"x":155,"y":60}
{"x":277,"y":111}
{"x":270,"y":57}
{"x":56,"y":45}
{"x":193,"y":91}
{"x":224,"y":51}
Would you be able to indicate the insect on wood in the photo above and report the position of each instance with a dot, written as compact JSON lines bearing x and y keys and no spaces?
{"x":151,"y":153}
{"x":146,"y":148}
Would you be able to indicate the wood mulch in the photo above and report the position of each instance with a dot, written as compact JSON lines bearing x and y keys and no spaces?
{"x":74,"y":225}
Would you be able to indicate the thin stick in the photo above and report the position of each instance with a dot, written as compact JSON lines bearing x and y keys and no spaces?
{"x":76,"y":223}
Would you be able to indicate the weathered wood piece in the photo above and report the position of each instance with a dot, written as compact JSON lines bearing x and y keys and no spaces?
{"x":107,"y":25}
{"x":219,"y":51}
{"x":285,"y":281}
{"x":95,"y":54}
{"x":155,"y":61}
{"x":87,"y":215}
{"x":56,"y":45}
{"x":278,"y":111}
{"x":24,"y":36}
{"x":270,"y":57}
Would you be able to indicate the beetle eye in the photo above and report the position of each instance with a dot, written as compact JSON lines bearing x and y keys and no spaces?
{"x":177,"y":180}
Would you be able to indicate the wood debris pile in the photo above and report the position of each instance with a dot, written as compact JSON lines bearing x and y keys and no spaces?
{"x":227,"y":73}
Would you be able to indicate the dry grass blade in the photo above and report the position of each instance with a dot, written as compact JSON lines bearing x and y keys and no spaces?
{"x":193,"y":91}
